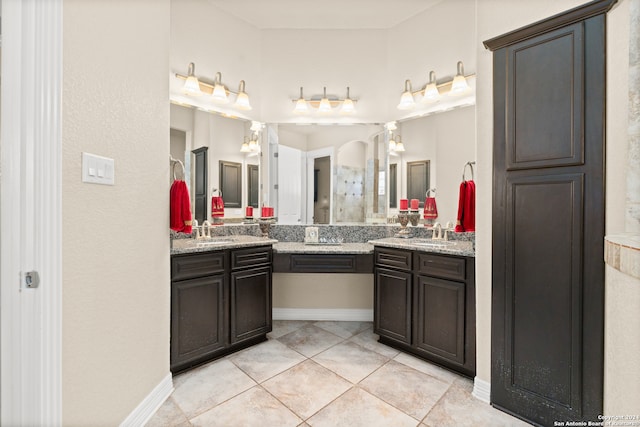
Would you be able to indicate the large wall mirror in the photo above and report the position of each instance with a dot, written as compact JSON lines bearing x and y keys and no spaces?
{"x":347,"y":174}
{"x":209,"y":146}
{"x":329,"y":174}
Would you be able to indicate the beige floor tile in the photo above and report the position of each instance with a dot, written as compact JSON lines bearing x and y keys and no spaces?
{"x":350,"y":361}
{"x":458,"y":408}
{"x":369,"y":340}
{"x":306,"y":388}
{"x":310,"y":340}
{"x":254,"y":407}
{"x":412,"y":392}
{"x":344,"y":329}
{"x":283,"y":327}
{"x":202,"y":388}
{"x":168,"y":415}
{"x":357,"y":408}
{"x":266,"y":360}
{"x":427,"y":367}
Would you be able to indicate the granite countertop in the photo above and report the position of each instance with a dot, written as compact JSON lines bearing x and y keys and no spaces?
{"x":451,"y":247}
{"x":343,"y":248}
{"x":185,"y":246}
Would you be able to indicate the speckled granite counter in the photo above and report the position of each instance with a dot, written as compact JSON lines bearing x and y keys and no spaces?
{"x":185,"y":246}
{"x":344,"y":248}
{"x":460,"y":248}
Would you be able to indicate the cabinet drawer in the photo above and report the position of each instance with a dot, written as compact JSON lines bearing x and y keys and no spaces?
{"x":393,"y":258}
{"x":323,"y":263}
{"x":252,"y":257}
{"x":196,"y":265}
{"x":440,"y":266}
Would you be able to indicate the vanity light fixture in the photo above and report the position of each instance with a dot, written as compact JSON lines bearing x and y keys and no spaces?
{"x":433,"y":91}
{"x":406,"y":100}
{"x":398,"y":146}
{"x":301,"y":104}
{"x":218,"y":91}
{"x":245,"y":146}
{"x":348,"y":106}
{"x":242,"y":100}
{"x":219,"y":94}
{"x":459,"y":84}
{"x":191,"y":84}
{"x":324,"y":103}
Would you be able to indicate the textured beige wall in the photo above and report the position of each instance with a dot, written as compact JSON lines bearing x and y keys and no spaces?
{"x":332,"y":291}
{"x":116,"y":289}
{"x":495,"y":17}
{"x":622,"y":344}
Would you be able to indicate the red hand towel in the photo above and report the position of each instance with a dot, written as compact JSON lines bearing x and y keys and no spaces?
{"x":217,"y":207}
{"x":461,"y":198}
{"x":180,"y":205}
{"x":470,"y":207}
{"x":467,"y":207}
{"x":430,"y":208}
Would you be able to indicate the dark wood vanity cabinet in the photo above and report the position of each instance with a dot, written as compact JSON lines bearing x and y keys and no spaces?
{"x":250,"y":299}
{"x":425,"y":304}
{"x":220,"y":302}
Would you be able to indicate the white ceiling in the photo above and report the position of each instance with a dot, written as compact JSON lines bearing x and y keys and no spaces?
{"x":324,"y":14}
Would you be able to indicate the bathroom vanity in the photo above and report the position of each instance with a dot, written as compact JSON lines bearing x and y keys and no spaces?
{"x":423,"y":290}
{"x":424,"y":301}
{"x":220,"y":298}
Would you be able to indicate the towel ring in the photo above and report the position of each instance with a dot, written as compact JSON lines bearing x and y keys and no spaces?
{"x":431,"y":190}
{"x":177,"y":162}
{"x":216,"y":192}
{"x":464,"y":170}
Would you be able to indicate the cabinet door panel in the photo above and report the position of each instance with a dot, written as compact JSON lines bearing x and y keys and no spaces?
{"x":250,"y":303}
{"x":439,"y":311}
{"x":392,"y":298}
{"x":198,"y":319}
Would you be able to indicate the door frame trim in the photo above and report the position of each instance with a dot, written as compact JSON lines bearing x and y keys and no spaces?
{"x":31,"y":213}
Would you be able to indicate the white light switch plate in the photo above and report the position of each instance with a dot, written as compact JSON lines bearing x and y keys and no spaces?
{"x":98,"y":169}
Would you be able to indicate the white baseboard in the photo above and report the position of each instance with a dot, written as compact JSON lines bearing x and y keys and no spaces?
{"x":482,"y":390}
{"x":339,"y":314}
{"x":145,"y":410}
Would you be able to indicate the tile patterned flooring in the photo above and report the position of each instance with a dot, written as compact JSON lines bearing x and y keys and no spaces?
{"x":324,"y":374}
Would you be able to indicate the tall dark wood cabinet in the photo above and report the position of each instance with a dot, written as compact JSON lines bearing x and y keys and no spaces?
{"x":548,"y":217}
{"x":220,"y":303}
{"x":200,"y":211}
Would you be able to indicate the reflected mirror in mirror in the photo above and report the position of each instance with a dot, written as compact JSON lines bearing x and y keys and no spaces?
{"x":330,"y":174}
{"x":217,"y":141}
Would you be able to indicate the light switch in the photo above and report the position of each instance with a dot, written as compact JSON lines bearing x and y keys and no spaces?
{"x":97,"y":169}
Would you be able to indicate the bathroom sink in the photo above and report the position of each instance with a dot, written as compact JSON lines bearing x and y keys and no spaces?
{"x":432,"y":243}
{"x":214,"y":242}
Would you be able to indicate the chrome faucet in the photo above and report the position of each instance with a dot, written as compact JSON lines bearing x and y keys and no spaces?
{"x":206,"y":233}
{"x":437,"y":231}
